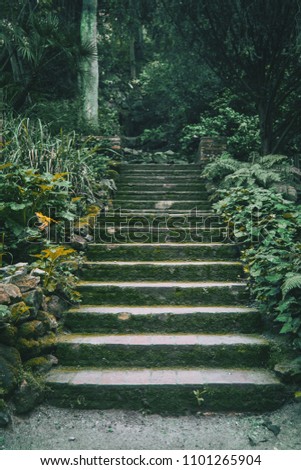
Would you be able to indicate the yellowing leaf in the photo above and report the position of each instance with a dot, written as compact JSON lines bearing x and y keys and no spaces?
{"x":46,"y":187}
{"x":44,"y":220}
{"x":76,"y":199}
{"x":6,"y":165}
{"x":59,"y":176}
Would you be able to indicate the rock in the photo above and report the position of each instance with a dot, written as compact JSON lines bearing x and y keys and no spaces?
{"x":38,"y":272}
{"x":31,"y":329}
{"x":9,"y":294}
{"x":25,"y":282}
{"x":8,"y":335}
{"x":49,"y":321}
{"x":10,"y":368}
{"x":34,"y":299}
{"x":30,"y":348}
{"x":5,"y":418}
{"x":71,"y":439}
{"x":29,"y":395}
{"x":78,"y":242}
{"x":41,"y":364}
{"x":169,"y":153}
{"x":20,"y":313}
{"x":289,"y":371}
{"x":272,"y":427}
{"x":56,"y":306}
{"x":5,"y":315}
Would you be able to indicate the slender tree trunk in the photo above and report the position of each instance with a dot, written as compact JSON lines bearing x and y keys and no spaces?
{"x":89,"y":67}
{"x":266,"y":128}
{"x":133,"y":59}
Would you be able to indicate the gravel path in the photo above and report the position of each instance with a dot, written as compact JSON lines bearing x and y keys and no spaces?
{"x":56,"y":429}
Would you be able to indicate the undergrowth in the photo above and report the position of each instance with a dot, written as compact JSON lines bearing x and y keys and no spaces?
{"x":267,"y":225}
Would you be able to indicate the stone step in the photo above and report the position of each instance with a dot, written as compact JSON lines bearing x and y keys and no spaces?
{"x":193,"y":172}
{"x":196,"y":214}
{"x":161,"y":179}
{"x":162,"y":195}
{"x":162,"y":252}
{"x":146,"y":234}
{"x":157,"y":218}
{"x":161,"y":204}
{"x":162,"y":350}
{"x":162,"y":293}
{"x":165,"y":319}
{"x":162,"y":271}
{"x":166,"y":391}
{"x":159,"y":168}
{"x":153,"y":187}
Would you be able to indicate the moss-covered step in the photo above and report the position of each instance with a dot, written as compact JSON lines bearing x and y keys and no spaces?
{"x":156,"y":350}
{"x":166,"y":319}
{"x":161,"y":176}
{"x":162,"y":293}
{"x":162,"y":195}
{"x":162,"y":271}
{"x":161,"y":204}
{"x":162,"y":252}
{"x":167,"y":391}
{"x":145,"y":234}
{"x":158,"y":218}
{"x":150,"y":186}
{"x":160,"y":167}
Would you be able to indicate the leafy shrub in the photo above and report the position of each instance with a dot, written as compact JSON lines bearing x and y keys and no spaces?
{"x":55,"y":176}
{"x":241,"y":130}
{"x":60,"y":264}
{"x":268,"y":227}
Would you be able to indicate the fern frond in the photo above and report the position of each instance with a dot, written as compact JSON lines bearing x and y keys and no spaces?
{"x":271,"y":160}
{"x":293,"y":282}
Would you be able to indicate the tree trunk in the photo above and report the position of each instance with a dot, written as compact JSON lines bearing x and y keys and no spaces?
{"x":89,"y":66}
{"x":133,"y":59}
{"x":266,"y":128}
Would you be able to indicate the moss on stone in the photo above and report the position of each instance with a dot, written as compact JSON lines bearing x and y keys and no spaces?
{"x":31,"y":329}
{"x":116,"y":355}
{"x":20,"y":313}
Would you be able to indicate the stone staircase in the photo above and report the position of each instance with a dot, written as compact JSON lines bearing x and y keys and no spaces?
{"x":164,"y":324}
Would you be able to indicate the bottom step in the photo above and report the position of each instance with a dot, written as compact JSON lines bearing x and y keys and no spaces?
{"x":170,"y":391}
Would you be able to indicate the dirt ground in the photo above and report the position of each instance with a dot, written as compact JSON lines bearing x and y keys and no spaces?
{"x":65,"y":429}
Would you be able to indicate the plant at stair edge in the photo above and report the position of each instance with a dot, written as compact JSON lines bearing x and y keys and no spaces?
{"x":59,"y":264}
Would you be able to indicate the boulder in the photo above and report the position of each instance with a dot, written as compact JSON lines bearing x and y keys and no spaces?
{"x":49,"y":321}
{"x":25,"y":282}
{"x":41,"y":364}
{"x":5,"y":315}
{"x":5,"y":418}
{"x":8,"y":335}
{"x":28,"y":396}
{"x":31,"y":329}
{"x":78,"y":242}
{"x":10,"y":368}
{"x":20,"y":313}
{"x":30,"y":348}
{"x":9,"y":294}
{"x":56,"y":306}
{"x":34,"y":299}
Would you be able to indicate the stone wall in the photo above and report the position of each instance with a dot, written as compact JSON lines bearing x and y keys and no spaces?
{"x":28,"y":326}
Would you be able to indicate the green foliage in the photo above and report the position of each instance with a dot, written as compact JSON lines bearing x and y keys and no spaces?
{"x":55,"y":176}
{"x":241,"y":130}
{"x":268,"y":227}
{"x":59,"y":264}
